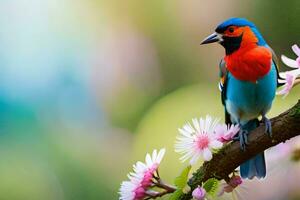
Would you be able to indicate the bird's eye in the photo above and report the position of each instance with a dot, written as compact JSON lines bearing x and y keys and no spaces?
{"x":231,"y":29}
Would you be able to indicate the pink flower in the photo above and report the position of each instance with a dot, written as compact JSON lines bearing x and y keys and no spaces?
{"x":132,"y":190}
{"x":290,"y":62}
{"x":141,"y":178}
{"x":288,"y":78}
{"x":199,"y":193}
{"x":198,"y":140}
{"x":288,"y":84}
{"x":234,"y":182}
{"x":225,"y":133}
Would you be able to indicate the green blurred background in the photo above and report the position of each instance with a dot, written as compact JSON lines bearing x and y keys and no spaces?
{"x":87,"y":87}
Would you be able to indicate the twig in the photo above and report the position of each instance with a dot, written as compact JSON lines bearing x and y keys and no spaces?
{"x":165,"y":186}
{"x":167,"y":189}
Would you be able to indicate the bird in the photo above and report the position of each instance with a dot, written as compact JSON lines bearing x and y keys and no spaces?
{"x":249,"y":79}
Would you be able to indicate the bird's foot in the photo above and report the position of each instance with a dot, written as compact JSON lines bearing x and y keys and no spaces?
{"x":242,"y":136}
{"x":268,"y":126}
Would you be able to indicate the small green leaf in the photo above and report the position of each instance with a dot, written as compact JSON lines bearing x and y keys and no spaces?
{"x":176,"y":194}
{"x":211,"y":186}
{"x":181,"y":180}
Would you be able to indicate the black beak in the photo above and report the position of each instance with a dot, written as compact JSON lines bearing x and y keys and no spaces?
{"x":215,"y":37}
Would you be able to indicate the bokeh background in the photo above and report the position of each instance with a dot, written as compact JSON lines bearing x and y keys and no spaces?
{"x":87,"y":87}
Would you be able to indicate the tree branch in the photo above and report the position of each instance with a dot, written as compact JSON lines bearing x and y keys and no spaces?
{"x":284,"y":127}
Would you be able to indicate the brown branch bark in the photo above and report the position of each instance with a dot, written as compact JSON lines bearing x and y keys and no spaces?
{"x":285,"y":126}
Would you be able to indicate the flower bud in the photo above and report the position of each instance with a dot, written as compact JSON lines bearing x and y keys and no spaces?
{"x":199,"y":193}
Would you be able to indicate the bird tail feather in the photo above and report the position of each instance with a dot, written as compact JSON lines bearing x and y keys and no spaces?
{"x":256,"y":166}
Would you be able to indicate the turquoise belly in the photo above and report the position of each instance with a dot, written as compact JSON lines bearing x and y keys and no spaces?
{"x":246,"y":100}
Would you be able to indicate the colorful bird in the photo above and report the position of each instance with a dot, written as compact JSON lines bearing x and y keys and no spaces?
{"x":248,"y":83}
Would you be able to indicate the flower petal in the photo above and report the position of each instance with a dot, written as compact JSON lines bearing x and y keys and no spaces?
{"x":188,"y":128}
{"x":208,"y":123}
{"x":195,"y":158}
{"x":185,"y":133}
{"x":290,"y":80}
{"x":296,"y":50}
{"x":154,"y":155}
{"x":148,"y":160}
{"x":215,"y":144}
{"x":207,"y":155}
{"x":281,"y":81}
{"x":289,"y":62}
{"x":294,"y":72}
{"x":233,"y":130}
{"x":196,"y":124}
{"x":160,"y":155}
